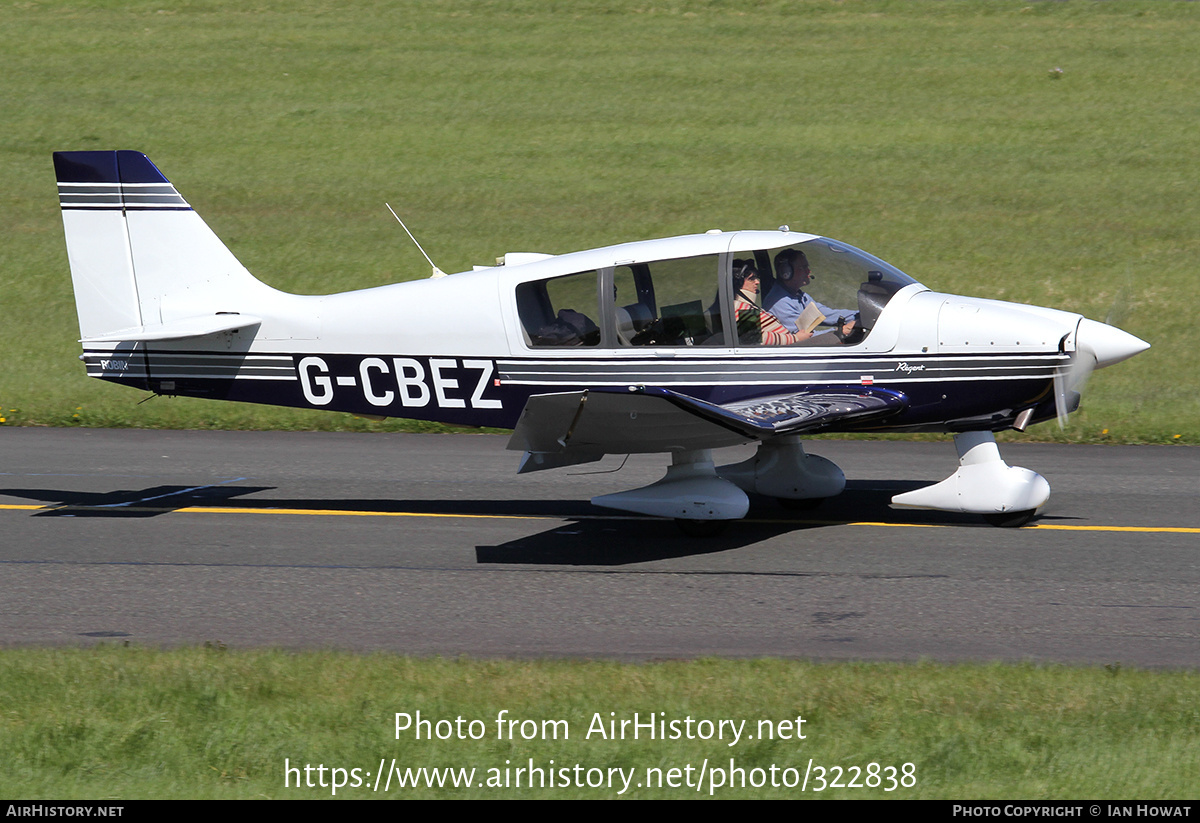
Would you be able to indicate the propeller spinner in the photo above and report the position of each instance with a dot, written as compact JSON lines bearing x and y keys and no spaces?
{"x":1096,"y":345}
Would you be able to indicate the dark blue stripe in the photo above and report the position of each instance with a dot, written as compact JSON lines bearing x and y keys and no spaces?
{"x":136,"y":167}
{"x":105,"y":167}
{"x":86,"y":166}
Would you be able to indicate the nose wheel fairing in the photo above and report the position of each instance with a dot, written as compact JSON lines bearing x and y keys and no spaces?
{"x":983,"y":484}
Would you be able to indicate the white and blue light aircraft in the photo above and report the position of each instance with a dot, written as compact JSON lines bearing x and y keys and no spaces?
{"x":644,"y":347}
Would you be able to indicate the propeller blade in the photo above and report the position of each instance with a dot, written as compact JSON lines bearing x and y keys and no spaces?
{"x":1081,"y":368}
{"x":1071,"y":380}
{"x":1060,"y":397}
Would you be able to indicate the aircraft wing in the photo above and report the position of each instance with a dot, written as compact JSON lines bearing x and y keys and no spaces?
{"x":568,"y":428}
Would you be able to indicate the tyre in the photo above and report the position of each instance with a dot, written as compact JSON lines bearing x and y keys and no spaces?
{"x":1010,"y":520}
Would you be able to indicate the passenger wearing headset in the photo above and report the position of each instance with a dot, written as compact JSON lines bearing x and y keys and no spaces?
{"x":755,"y":326}
{"x":787,"y":300}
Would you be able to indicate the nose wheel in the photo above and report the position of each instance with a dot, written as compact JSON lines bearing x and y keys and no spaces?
{"x":1011,"y":520}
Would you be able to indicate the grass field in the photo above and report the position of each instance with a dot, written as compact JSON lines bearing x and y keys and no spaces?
{"x":1041,"y":152}
{"x":941,"y":136}
{"x":114,"y":722}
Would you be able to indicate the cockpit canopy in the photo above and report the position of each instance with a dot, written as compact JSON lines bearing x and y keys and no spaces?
{"x":814,"y":293}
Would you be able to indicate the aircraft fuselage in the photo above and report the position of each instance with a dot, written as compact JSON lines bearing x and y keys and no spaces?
{"x":680,"y":345}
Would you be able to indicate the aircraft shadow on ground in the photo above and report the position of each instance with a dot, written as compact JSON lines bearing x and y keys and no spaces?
{"x":159,"y":500}
{"x":589,"y":536}
{"x":622,"y":540}
{"x":149,"y":502}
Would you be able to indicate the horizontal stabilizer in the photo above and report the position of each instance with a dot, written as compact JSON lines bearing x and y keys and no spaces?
{"x":179,"y":329}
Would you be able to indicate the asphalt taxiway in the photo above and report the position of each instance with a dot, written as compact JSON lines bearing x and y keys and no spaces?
{"x":431,"y":544}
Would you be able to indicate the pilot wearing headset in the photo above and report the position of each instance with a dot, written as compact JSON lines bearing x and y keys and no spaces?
{"x":787,"y":300}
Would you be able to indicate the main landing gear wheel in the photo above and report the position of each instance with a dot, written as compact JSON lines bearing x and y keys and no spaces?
{"x":1011,"y":520}
{"x":701,"y":528}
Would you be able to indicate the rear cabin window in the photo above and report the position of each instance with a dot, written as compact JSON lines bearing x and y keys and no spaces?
{"x":560,"y":312}
{"x":668,"y":303}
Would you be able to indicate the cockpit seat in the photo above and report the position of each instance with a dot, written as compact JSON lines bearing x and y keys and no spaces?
{"x":631,"y":320}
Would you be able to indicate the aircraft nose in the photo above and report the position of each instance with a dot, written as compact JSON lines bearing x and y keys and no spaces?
{"x":1109,"y":344}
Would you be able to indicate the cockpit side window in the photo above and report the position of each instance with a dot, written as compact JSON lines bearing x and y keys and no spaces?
{"x":559,"y":312}
{"x":817,"y":293}
{"x":668,"y":303}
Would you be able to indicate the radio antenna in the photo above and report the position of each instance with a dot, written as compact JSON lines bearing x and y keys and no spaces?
{"x":436,"y":271}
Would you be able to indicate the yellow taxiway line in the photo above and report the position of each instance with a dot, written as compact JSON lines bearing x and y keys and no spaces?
{"x":356,"y":513}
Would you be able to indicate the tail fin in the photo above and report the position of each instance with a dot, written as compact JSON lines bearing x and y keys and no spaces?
{"x":143,"y":263}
